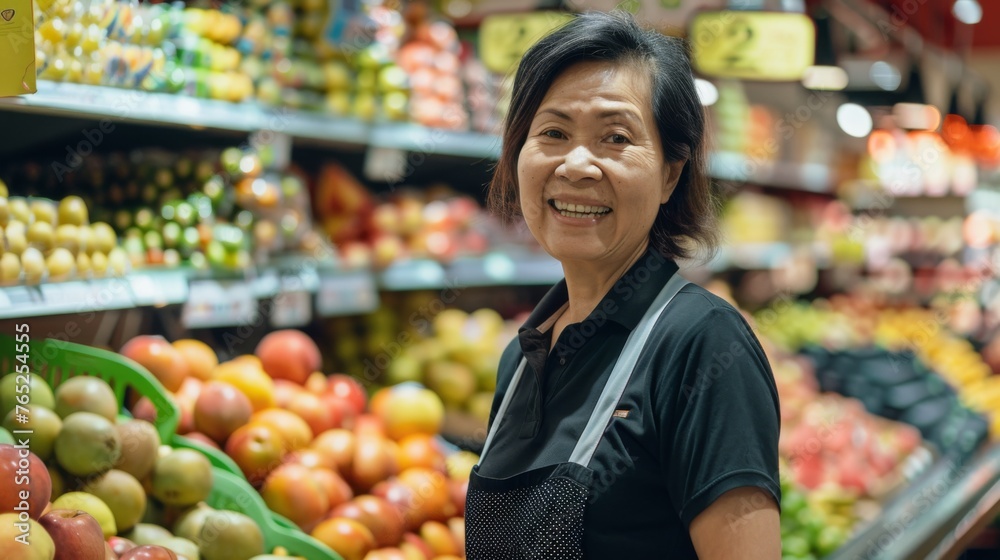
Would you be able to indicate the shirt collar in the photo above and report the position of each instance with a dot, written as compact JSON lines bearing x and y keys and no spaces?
{"x":625,"y":303}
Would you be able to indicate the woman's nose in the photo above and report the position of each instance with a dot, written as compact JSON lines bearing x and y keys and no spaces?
{"x":578,"y":165}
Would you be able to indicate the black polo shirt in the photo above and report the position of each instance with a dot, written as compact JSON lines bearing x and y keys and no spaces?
{"x":698,"y":418}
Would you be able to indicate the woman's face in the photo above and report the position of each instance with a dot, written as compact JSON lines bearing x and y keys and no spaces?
{"x":591,"y":173}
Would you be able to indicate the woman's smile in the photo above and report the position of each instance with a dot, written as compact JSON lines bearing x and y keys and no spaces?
{"x":578,"y":214}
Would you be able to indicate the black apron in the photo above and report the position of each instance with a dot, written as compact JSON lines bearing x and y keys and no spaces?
{"x":538,"y":514}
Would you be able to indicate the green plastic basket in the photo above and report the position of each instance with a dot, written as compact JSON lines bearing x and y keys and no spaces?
{"x":235,"y":494}
{"x":57,"y":361}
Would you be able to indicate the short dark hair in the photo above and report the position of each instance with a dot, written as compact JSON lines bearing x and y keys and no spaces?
{"x":689,"y":217}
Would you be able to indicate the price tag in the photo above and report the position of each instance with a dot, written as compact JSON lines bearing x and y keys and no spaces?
{"x":158,"y":289}
{"x":291,"y":309}
{"x":113,"y":293}
{"x":63,"y":294}
{"x":20,"y":295}
{"x":219,"y":303}
{"x":4,"y":300}
{"x":346,"y":294}
{"x":504,"y":38}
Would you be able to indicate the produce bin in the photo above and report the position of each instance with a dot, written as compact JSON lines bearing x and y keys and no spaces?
{"x":57,"y":361}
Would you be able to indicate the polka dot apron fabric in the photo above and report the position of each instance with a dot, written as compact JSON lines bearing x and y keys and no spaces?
{"x":538,"y":514}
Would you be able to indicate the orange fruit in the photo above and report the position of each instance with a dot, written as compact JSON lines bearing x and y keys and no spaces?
{"x":200,"y":357}
{"x":420,"y":450}
{"x":295,"y":430}
{"x":251,"y":381}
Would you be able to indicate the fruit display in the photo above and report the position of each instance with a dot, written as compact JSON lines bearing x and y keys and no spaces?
{"x":436,"y":224}
{"x":832,"y":440}
{"x":50,"y":241}
{"x":458,"y":359}
{"x":99,"y":485}
{"x":221,"y":209}
{"x":367,"y":477}
{"x":430,"y":59}
{"x":845,"y":322}
{"x":380,"y":65}
{"x":838,"y":461}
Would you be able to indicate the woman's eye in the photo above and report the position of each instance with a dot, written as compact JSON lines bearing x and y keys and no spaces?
{"x":618,"y":139}
{"x":553,"y":134}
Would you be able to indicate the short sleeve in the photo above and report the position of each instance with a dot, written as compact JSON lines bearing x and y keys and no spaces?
{"x":720,"y":427}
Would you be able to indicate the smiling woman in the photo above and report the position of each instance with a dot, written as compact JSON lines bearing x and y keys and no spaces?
{"x":635,"y":415}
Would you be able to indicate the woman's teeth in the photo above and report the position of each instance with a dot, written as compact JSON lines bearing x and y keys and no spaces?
{"x":580,"y":210}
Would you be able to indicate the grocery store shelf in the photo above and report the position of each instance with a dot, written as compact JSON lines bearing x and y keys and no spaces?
{"x":415,"y":138}
{"x":65,"y":298}
{"x":114,"y":104}
{"x":300,"y":288}
{"x":810,"y":177}
{"x":123,"y":105}
{"x":937,"y":515}
{"x":495,"y":269}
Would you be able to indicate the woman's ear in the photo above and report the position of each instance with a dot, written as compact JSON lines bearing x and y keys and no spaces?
{"x":671,"y":177}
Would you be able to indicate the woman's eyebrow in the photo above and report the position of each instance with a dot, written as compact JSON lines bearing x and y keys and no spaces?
{"x":559,"y":114}
{"x":626,"y":113}
{"x":607,"y":114}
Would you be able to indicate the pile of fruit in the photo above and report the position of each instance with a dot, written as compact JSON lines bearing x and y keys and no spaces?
{"x":458,"y":361}
{"x":828,"y":439}
{"x":201,"y":209}
{"x":43,"y":240}
{"x":373,"y":64}
{"x":367,"y":478}
{"x":845,"y":322}
{"x":816,"y":523}
{"x":93,"y":485}
{"x":436,"y":224}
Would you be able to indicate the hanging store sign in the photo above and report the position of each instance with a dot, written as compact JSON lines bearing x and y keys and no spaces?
{"x":17,"y":48}
{"x":766,"y":46}
{"x":504,"y":38}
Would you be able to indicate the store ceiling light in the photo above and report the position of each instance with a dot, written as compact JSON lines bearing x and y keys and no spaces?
{"x":827,"y":78}
{"x":854,"y":119}
{"x":707,"y":92}
{"x":968,"y":12}
{"x":885,"y":75}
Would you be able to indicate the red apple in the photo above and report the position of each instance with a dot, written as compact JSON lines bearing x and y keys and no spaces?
{"x":289,"y":354}
{"x":458,"y":489}
{"x":348,"y":388}
{"x":257,"y":449}
{"x":76,"y":534}
{"x":161,"y":359}
{"x":402,"y":498}
{"x":26,"y":484}
{"x":314,"y":411}
{"x":381,"y":518}
{"x":149,"y":552}
{"x":109,"y":554}
{"x":220,"y":409}
{"x":342,"y":409}
{"x":120,"y":545}
{"x":415,"y":543}
{"x":373,"y":462}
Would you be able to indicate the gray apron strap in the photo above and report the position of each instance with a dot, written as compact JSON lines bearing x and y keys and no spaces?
{"x":615,"y":386}
{"x":503,"y":407}
{"x":622,"y":372}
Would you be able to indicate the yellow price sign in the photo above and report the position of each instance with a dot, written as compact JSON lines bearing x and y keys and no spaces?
{"x":768,"y":46}
{"x":17,"y":48}
{"x":504,"y":38}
